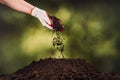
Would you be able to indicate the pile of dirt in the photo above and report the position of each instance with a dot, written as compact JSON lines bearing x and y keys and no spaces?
{"x":60,"y":69}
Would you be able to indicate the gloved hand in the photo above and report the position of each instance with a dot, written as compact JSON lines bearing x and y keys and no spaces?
{"x":43,"y":17}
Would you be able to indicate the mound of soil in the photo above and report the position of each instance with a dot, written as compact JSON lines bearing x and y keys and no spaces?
{"x":60,"y":69}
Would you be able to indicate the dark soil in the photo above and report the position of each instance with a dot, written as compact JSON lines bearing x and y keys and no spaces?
{"x":60,"y":69}
{"x":57,"y":26}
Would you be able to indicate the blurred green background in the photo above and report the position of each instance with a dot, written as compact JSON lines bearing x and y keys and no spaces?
{"x":91,"y":32}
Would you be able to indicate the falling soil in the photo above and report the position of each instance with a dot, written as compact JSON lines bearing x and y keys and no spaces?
{"x":60,"y":69}
{"x":57,"y":41}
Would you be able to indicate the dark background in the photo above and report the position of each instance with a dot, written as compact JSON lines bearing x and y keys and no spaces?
{"x":92,"y":29}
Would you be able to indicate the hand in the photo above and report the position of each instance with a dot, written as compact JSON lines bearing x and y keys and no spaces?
{"x":56,"y":23}
{"x":43,"y":17}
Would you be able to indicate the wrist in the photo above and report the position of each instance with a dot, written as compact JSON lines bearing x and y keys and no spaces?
{"x":34,"y":11}
{"x":37,"y":11}
{"x":31,"y":11}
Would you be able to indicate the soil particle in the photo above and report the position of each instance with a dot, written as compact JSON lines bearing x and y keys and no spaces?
{"x":57,"y":43}
{"x":57,"y":37}
{"x":57,"y":26}
{"x":60,"y":69}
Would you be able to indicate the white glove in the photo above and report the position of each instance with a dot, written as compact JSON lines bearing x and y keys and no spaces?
{"x":43,"y":17}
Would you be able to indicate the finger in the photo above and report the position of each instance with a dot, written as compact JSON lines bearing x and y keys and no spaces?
{"x":48,"y":19}
{"x":44,"y":23}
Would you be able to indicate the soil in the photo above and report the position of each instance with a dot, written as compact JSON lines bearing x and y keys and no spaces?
{"x":60,"y":69}
{"x":57,"y":26}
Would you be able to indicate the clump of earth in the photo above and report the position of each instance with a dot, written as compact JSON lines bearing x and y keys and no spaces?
{"x":60,"y":69}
